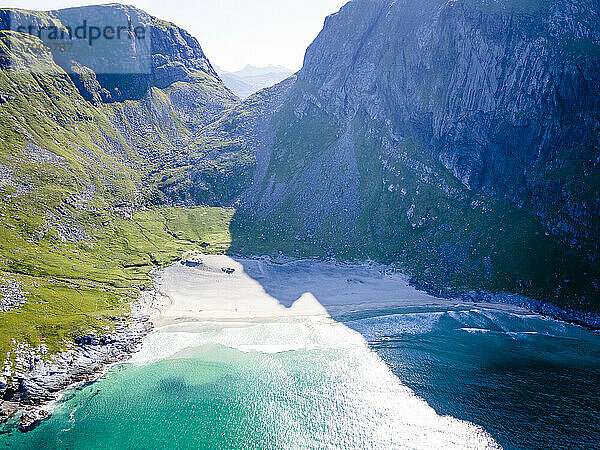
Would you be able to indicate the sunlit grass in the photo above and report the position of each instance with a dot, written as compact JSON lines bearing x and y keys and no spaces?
{"x":74,"y":287}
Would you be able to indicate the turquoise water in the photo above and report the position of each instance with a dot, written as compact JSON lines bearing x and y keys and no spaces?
{"x":386,"y":376}
{"x":218,"y":397}
{"x":530,"y":382}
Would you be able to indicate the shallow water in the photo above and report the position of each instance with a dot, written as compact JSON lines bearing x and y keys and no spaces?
{"x":434,"y":374}
{"x":226,"y":390}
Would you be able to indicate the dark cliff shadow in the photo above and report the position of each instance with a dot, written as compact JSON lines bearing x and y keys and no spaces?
{"x":336,"y":286}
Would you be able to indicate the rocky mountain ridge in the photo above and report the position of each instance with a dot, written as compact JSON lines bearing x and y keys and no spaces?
{"x":463,"y":145}
{"x":173,"y":54}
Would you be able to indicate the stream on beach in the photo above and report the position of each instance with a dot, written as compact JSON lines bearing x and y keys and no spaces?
{"x":323,"y":355}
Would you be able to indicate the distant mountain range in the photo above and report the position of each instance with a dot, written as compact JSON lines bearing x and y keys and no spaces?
{"x":251,"y":79}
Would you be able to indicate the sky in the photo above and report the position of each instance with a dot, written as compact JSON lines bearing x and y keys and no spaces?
{"x":232,"y":33}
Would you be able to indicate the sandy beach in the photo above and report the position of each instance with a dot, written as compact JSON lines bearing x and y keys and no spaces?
{"x":220,"y":288}
{"x":278,"y":315}
{"x":318,"y":354}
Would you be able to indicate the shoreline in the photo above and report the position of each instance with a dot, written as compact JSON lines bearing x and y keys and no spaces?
{"x":39,"y":384}
{"x":587,"y":320}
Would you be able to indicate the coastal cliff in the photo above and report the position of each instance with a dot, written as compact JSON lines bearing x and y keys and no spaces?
{"x":458,"y":139}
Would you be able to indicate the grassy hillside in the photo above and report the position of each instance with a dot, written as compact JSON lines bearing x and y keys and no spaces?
{"x":78,"y":233}
{"x":71,"y":288}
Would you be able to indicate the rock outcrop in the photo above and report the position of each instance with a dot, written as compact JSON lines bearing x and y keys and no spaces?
{"x":37,"y":378}
{"x":32,"y":418}
{"x":11,"y":295}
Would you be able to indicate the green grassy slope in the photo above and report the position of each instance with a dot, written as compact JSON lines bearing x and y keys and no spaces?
{"x":74,"y":288}
{"x":77,"y":232}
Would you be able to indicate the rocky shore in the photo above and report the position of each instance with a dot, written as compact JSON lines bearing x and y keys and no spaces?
{"x":32,"y":384}
{"x":589,"y":320}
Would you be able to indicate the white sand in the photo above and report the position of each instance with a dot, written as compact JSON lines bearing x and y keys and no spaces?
{"x":206,"y":293}
{"x":259,"y":290}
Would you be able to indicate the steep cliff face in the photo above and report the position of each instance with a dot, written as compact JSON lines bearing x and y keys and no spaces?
{"x":460,"y":138}
{"x":122,"y":68}
{"x":503,"y":93}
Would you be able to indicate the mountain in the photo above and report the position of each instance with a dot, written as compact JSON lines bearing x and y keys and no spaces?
{"x":457,"y":141}
{"x":93,"y":157}
{"x":463,"y":146}
{"x":155,"y":110}
{"x":251,"y":79}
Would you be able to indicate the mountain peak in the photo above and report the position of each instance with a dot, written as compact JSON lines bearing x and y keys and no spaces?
{"x":251,"y":78}
{"x":163,"y":55}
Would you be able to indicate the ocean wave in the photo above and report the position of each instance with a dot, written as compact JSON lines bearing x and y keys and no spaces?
{"x":267,"y":337}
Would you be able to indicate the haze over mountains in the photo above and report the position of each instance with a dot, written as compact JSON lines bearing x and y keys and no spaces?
{"x":251,"y":79}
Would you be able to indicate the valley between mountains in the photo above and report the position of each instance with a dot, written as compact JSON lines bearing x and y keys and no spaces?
{"x":463,"y":150}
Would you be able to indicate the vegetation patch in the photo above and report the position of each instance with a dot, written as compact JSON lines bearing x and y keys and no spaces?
{"x":71,"y":287}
